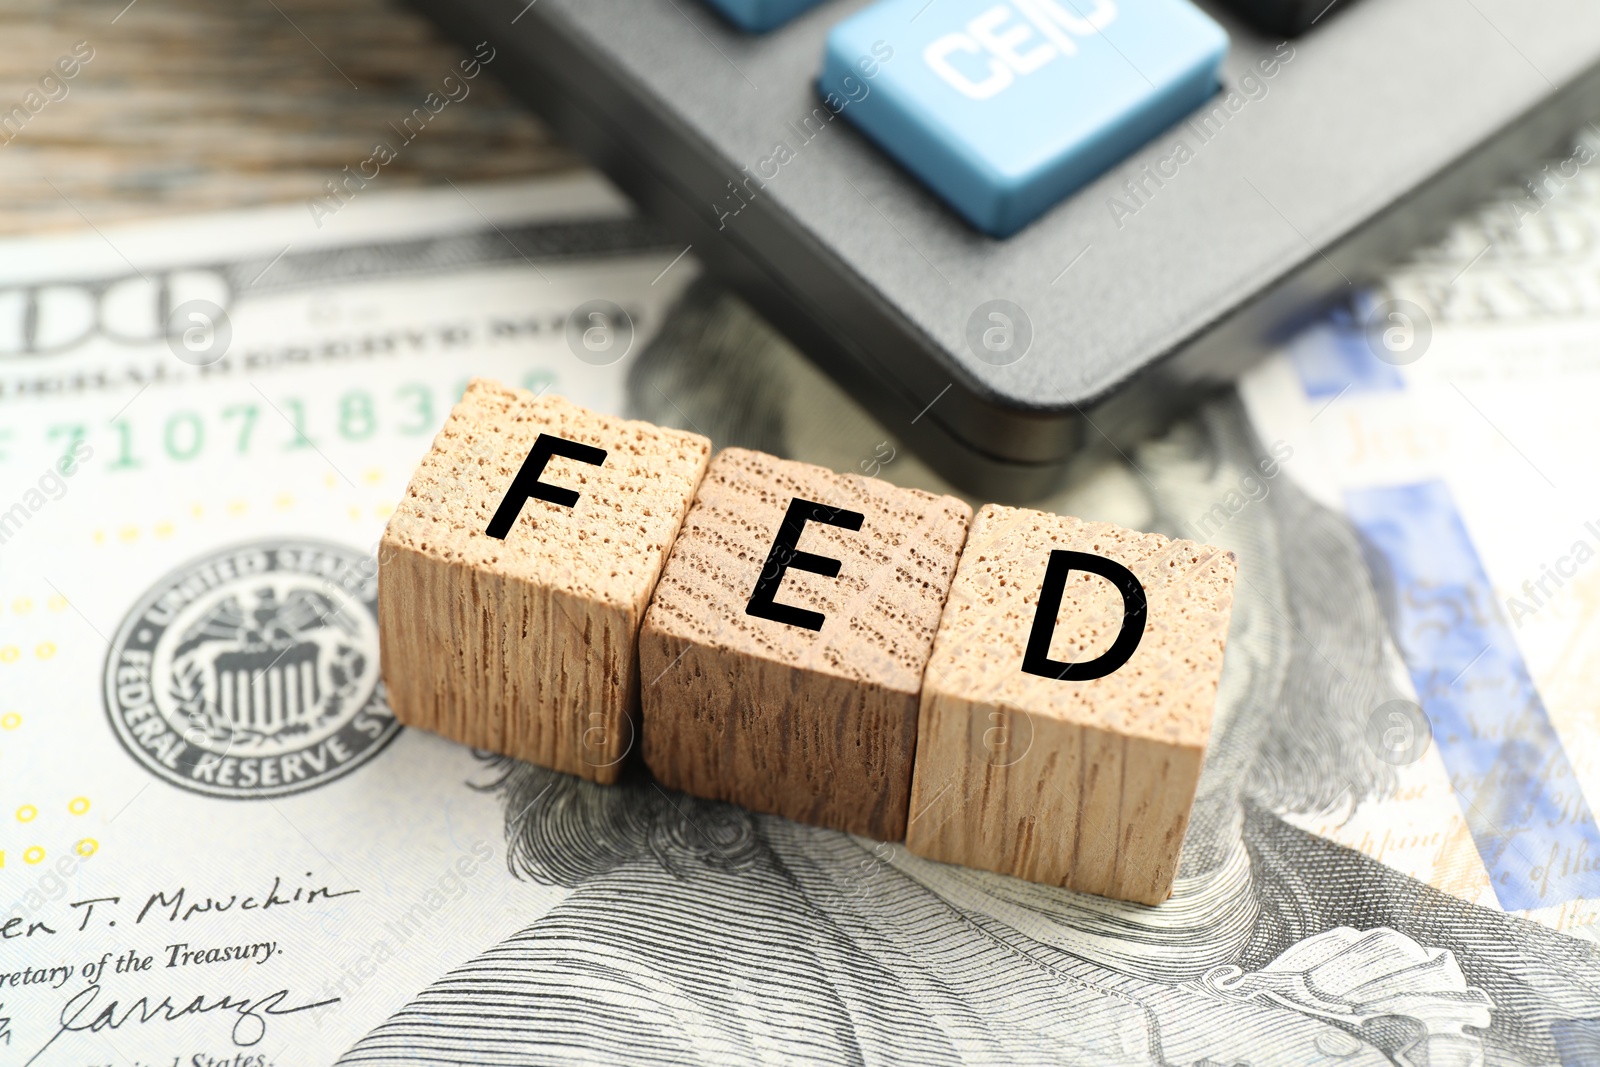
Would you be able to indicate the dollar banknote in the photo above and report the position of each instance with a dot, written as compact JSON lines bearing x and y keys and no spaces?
{"x":1388,"y":861}
{"x":217,"y":842}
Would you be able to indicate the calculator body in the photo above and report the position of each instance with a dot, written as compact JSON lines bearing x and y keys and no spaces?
{"x":1162,"y":278}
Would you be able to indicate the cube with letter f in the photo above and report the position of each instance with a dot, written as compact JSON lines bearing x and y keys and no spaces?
{"x":514,"y":576}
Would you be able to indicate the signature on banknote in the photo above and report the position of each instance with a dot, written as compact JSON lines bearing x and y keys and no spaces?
{"x":86,"y":1011}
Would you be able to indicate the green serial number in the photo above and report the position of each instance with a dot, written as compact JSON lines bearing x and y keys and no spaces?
{"x":250,"y":427}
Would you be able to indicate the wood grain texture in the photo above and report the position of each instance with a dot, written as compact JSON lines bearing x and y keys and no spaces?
{"x":528,"y":645}
{"x":816,"y":725}
{"x":193,"y":106}
{"x":1084,"y":784}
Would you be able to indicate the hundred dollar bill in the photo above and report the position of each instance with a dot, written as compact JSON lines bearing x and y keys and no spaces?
{"x":1449,"y":417}
{"x":215,"y":839}
{"x":462,"y":908}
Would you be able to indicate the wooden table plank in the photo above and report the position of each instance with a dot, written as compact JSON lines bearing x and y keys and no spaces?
{"x":191,"y":106}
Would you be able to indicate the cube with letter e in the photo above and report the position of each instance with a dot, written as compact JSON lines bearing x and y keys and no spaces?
{"x":515,"y":573}
{"x":1067,"y":702}
{"x":783,"y":653}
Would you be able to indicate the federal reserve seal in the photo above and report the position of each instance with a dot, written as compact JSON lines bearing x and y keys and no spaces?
{"x":253,"y":671}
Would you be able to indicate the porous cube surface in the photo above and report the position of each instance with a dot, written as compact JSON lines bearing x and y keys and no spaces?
{"x":1081,"y":783}
{"x":527,"y":645}
{"x":817,"y":725}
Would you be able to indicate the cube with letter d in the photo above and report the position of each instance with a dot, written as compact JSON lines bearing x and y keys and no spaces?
{"x":783,"y":653}
{"x":1068,"y":702}
{"x":513,"y":577}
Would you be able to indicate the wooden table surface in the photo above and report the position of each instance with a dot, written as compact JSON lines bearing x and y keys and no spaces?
{"x":190,"y":106}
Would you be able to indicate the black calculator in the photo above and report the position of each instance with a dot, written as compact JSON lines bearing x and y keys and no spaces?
{"x":1014,"y":227}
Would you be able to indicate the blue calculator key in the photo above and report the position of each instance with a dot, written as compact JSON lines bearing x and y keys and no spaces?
{"x":1005,"y":108}
{"x":758,"y":16}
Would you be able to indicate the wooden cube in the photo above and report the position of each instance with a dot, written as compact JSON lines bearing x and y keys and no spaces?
{"x":514,"y":575}
{"x":1038,"y":755}
{"x":783,"y":653}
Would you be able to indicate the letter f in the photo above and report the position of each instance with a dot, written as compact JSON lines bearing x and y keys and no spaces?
{"x":527,"y":484}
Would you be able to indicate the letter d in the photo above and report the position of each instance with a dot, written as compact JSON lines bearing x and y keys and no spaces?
{"x":1135,"y":611}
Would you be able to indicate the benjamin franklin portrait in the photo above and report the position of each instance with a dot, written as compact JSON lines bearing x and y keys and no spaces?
{"x":699,"y":933}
